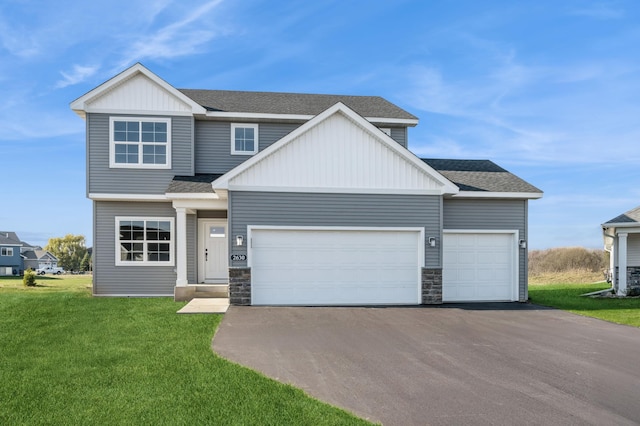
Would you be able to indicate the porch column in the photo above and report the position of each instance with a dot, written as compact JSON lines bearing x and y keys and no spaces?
{"x":181,"y":247}
{"x":622,"y":264}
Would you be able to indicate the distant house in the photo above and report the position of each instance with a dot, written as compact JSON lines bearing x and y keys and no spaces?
{"x":35,"y":258}
{"x":10,"y":256}
{"x":622,"y":239}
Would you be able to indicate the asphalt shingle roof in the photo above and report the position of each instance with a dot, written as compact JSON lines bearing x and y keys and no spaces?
{"x":293,"y":103}
{"x":200,"y":183}
{"x":8,"y":237}
{"x":632,"y":216}
{"x":480,"y":175}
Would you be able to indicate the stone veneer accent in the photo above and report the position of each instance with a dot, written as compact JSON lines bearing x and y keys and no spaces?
{"x":240,"y":286}
{"x":633,"y":281}
{"x":431,"y":286}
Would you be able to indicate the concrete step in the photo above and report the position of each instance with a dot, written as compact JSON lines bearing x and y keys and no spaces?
{"x":211,"y":291}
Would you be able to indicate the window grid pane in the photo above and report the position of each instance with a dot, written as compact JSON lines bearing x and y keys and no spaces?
{"x":244,"y":139}
{"x":146,"y":240}
{"x":146,"y":136}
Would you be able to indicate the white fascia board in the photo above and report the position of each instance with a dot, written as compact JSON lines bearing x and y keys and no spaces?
{"x":137,"y":112}
{"x":489,"y":194}
{"x":80,"y":105}
{"x":299,"y":117}
{"x":447,"y":186}
{"x":201,"y":204}
{"x":621,"y":225}
{"x":126,"y":197}
{"x":191,"y":196}
{"x":330,"y":190}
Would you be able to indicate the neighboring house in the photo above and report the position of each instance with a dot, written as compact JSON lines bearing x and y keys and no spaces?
{"x":10,"y":258}
{"x":36,"y":258}
{"x":622,"y":240}
{"x":291,"y":199}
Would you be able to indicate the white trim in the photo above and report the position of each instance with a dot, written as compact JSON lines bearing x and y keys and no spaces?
{"x":421,"y":230}
{"x":302,"y":117}
{"x":112,"y":111}
{"x":386,"y":130}
{"x":330,"y":190}
{"x":82,"y":104}
{"x":126,"y":197}
{"x":139,"y":165}
{"x":628,"y":225}
{"x":256,"y":138}
{"x":202,"y":204}
{"x":6,"y":249}
{"x":172,"y":241}
{"x":181,"y":247}
{"x":447,"y":186}
{"x":192,"y":196}
{"x":515,"y":290}
{"x":490,"y":194}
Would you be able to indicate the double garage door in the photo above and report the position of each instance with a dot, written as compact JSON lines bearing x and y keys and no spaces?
{"x":376,"y":266}
{"x":336,"y":266}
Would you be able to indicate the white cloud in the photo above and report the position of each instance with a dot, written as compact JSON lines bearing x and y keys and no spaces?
{"x":78,"y":75}
{"x":176,"y":39}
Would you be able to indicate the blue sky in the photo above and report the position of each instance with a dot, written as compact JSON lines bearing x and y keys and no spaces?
{"x":549,"y":90}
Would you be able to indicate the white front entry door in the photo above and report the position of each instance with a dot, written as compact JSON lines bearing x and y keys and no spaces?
{"x":213,"y":248}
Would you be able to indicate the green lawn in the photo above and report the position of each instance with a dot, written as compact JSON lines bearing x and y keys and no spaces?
{"x":567,"y":297}
{"x":69,"y":358}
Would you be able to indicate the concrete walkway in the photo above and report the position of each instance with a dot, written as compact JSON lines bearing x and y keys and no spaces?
{"x":205,"y":306}
{"x":454,"y":365}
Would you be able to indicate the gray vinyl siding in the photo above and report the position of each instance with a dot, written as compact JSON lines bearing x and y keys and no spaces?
{"x":304,"y":209}
{"x":399,"y":134}
{"x":110,"y":279}
{"x":213,"y":143}
{"x":489,"y":215}
{"x":633,"y":250}
{"x":192,"y":244}
{"x":102,"y":179}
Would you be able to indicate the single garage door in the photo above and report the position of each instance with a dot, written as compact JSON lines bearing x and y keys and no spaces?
{"x":479,"y":267}
{"x":335,"y":266}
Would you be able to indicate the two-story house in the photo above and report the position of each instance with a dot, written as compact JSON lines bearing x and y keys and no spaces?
{"x":290,"y":199}
{"x":11,"y":262}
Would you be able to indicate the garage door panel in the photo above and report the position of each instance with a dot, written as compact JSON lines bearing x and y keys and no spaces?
{"x":325,"y":267}
{"x":479,"y":267}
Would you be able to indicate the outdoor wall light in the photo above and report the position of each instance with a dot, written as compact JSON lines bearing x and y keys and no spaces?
{"x":522,"y":244}
{"x":432,"y":241}
{"x":239,"y":240}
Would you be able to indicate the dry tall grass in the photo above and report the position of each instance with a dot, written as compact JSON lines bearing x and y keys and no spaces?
{"x":567,"y":265}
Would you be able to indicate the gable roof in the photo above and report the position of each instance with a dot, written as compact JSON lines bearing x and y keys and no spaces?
{"x":630,"y":218}
{"x":483,"y":178}
{"x":9,"y":238}
{"x":296,"y":105}
{"x":148,"y":90}
{"x":336,"y":151}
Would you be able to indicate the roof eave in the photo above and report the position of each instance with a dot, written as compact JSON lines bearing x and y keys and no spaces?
{"x":494,"y":194}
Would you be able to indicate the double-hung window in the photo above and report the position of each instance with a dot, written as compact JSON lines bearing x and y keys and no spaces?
{"x":244,"y":139}
{"x":137,"y":142}
{"x":144,"y":241}
{"x":6,"y":251}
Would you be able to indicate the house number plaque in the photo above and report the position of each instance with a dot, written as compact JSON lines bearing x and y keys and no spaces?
{"x":238,"y":257}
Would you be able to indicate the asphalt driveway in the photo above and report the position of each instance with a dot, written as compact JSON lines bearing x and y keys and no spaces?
{"x":498,"y":364}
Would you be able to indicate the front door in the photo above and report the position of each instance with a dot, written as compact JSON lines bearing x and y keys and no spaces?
{"x":213,"y":248}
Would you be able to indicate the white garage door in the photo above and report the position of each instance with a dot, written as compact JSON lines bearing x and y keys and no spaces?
{"x":479,"y":267}
{"x":335,"y":266}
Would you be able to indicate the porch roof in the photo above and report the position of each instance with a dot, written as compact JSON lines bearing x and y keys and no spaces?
{"x":632,"y":217}
{"x":200,"y":183}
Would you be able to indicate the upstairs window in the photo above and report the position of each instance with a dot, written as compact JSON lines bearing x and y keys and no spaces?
{"x":244,"y":139}
{"x":140,"y":142}
{"x":6,"y":251}
{"x":144,"y":241}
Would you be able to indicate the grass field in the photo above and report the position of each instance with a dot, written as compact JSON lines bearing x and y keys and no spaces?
{"x":69,"y":358}
{"x":568,"y":297}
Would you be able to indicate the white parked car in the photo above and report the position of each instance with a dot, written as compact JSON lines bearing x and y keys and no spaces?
{"x":49,"y":270}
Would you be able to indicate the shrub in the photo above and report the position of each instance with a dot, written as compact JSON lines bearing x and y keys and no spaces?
{"x":29,"y":279}
{"x":567,"y":259}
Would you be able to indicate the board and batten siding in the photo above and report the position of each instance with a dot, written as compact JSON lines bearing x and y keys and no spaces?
{"x":213,"y":143}
{"x":324,"y":209}
{"x":109,"y":279}
{"x":491,"y":215}
{"x":102,"y":179}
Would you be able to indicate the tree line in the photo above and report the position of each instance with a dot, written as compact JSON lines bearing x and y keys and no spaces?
{"x":71,"y":251}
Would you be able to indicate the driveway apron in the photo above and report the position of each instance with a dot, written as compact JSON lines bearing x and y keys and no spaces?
{"x":470,"y":364}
